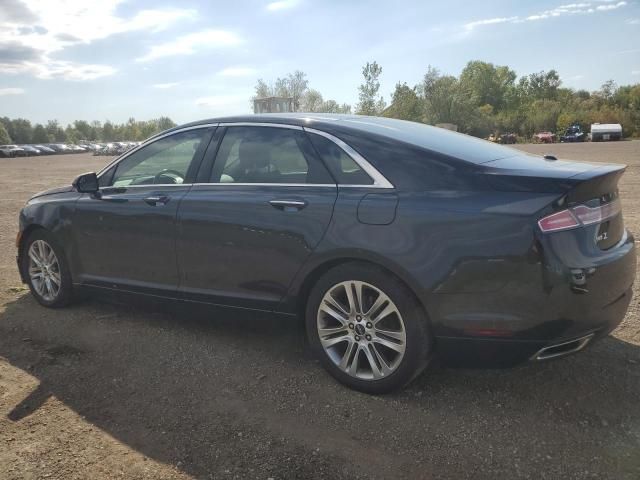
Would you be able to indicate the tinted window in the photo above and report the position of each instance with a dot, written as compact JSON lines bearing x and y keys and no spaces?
{"x":165,"y":161}
{"x":344,"y":168}
{"x":267,"y":155}
{"x":457,"y":145}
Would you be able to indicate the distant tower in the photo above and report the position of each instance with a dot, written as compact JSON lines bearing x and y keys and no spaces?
{"x":273,"y":105}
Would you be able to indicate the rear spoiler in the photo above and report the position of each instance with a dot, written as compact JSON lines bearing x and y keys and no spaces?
{"x":595,"y":183}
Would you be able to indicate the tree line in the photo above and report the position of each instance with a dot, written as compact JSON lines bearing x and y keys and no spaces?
{"x":484,"y":99}
{"x":21,"y":131}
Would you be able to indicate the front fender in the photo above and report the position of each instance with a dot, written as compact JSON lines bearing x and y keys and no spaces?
{"x":52,"y":212}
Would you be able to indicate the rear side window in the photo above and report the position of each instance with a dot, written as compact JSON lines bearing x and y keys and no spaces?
{"x":267,"y":155}
{"x":344,"y":168}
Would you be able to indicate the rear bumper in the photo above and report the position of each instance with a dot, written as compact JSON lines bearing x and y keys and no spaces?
{"x":546,"y":305}
{"x":467,"y":352}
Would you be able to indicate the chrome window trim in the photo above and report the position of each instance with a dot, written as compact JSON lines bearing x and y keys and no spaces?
{"x":153,"y":185}
{"x":379,"y":180}
{"x":232,"y":184}
{"x":263,"y":124}
{"x":150,"y":141}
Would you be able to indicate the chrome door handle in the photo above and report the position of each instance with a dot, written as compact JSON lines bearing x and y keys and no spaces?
{"x":153,"y":201}
{"x":288,"y":204}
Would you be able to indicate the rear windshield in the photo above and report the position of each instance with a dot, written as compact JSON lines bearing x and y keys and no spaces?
{"x":453,"y":144}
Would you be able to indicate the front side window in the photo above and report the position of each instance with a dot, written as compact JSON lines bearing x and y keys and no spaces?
{"x":165,"y":161}
{"x":344,"y":168}
{"x":267,"y":155}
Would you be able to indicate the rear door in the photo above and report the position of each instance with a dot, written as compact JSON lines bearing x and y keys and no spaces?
{"x":261,"y":210}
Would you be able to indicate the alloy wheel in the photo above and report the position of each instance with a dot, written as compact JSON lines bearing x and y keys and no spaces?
{"x":361,"y":330}
{"x":44,"y":270}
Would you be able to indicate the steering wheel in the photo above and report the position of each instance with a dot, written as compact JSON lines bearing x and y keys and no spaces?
{"x":174,"y":175}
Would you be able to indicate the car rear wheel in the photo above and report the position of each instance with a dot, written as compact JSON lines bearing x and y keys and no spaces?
{"x":367,"y":328}
{"x":46,"y":271}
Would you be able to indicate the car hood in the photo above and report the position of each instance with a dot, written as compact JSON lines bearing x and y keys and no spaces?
{"x":52,"y":191}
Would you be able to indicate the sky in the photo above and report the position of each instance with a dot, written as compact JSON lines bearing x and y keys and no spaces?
{"x":195,"y":59}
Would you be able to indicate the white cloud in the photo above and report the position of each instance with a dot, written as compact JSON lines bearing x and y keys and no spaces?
{"x":189,"y":44}
{"x":48,"y":69}
{"x":165,"y":85}
{"x":633,"y":21}
{"x":604,"y":8}
{"x":237,"y":72}
{"x":32,"y":35}
{"x":635,"y":72}
{"x":582,"y":8}
{"x":11,"y":91}
{"x":489,"y":21}
{"x":282,"y":5}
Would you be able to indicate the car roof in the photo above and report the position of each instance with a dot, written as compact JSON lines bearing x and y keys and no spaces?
{"x":440,"y":140}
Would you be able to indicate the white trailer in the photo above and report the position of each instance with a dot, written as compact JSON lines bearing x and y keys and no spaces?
{"x":606,"y":131}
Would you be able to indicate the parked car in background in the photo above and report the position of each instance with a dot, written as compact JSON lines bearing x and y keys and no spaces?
{"x":605,"y":132}
{"x":57,"y":147}
{"x":508,"y":138}
{"x":574,"y":134}
{"x":30,"y":150}
{"x":544,"y":137}
{"x":44,"y":150}
{"x":334,"y":219}
{"x":8,"y":151}
{"x":13,"y":151}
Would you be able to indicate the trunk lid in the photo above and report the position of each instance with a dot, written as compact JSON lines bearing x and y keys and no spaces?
{"x":587,"y":201}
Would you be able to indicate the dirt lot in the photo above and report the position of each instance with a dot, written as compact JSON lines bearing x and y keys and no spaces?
{"x":104,"y":390}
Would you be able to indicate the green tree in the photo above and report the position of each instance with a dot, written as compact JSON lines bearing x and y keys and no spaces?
{"x":108,"y":132}
{"x":608,"y":91}
{"x":312,"y":101}
{"x":4,"y":136}
{"x":294,"y":85}
{"x":445,"y":101}
{"x":331,"y":106}
{"x":39,"y":134}
{"x":165,"y":123}
{"x":541,"y":85}
{"x":71,"y":134}
{"x":486,"y":83}
{"x":83,"y":128}
{"x":369,"y":101}
{"x":55,"y":132}
{"x":8,"y":125}
{"x":405,"y":104}
{"x":21,"y":130}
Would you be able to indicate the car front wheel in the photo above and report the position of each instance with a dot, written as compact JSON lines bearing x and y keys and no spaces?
{"x":46,"y":271}
{"x":367,"y":328}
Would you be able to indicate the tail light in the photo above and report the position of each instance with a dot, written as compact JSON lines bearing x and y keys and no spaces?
{"x":579,"y":216}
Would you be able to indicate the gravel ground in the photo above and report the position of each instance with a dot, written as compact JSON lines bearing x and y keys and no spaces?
{"x":124,"y":389}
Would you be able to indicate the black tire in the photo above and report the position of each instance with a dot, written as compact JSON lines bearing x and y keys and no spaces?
{"x":419,"y":342}
{"x":64,"y":295}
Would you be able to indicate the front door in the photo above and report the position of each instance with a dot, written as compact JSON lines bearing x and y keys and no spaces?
{"x":125,"y":235}
{"x":243,"y":235}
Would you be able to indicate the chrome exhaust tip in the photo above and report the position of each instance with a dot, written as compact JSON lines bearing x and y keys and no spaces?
{"x":562,"y":349}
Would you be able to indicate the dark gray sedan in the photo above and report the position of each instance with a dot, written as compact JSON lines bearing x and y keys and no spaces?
{"x":395,"y":241}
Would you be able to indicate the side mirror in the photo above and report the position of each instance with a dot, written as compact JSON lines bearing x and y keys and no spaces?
{"x":86,"y":183}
